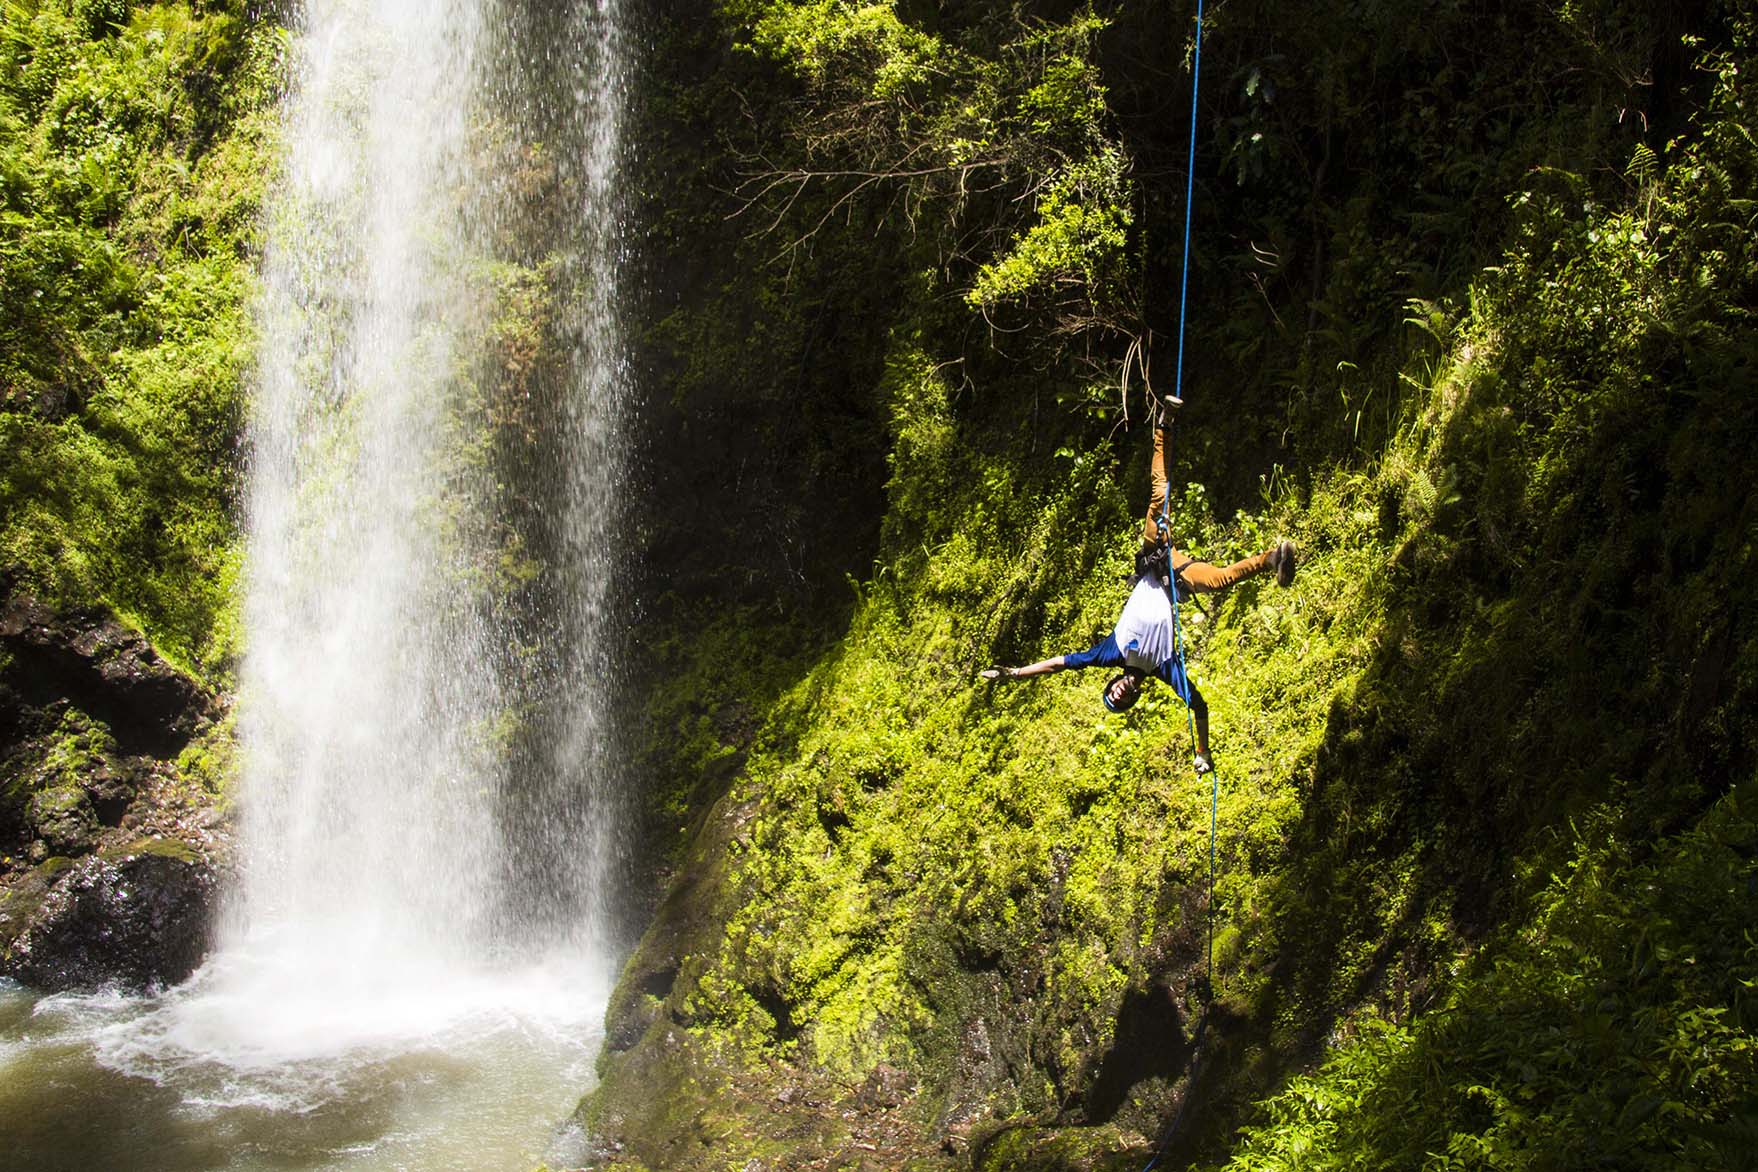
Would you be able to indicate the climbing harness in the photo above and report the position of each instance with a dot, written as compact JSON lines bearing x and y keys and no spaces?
{"x":1173,"y":593}
{"x":1156,"y":562}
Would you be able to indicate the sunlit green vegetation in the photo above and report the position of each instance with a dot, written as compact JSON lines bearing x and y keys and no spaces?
{"x":1472,"y":322}
{"x":134,"y":147}
{"x":1477,"y":339}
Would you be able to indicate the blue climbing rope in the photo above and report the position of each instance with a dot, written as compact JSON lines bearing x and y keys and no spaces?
{"x":1165,"y":525}
{"x":1196,"y":73}
{"x":1202,"y":1025}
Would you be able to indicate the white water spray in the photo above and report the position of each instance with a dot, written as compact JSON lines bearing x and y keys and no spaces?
{"x":380,"y":849}
{"x":415,"y":952}
{"x":368,"y":683}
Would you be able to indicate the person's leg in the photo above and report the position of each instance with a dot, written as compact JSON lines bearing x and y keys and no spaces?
{"x":1150,"y":533}
{"x":1206,"y":578}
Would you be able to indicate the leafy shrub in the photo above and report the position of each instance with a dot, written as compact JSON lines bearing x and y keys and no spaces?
{"x":125,"y":247}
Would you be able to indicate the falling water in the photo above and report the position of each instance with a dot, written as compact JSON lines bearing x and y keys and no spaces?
{"x":369,"y":686}
{"x":416,"y":945}
{"x":424,"y":689}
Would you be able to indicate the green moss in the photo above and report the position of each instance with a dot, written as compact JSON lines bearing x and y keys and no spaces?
{"x":1519,"y":580}
{"x":62,"y":816}
{"x":1096,"y":1149}
{"x":51,"y":867}
{"x":210,"y":761}
{"x":166,"y":848}
{"x":134,"y":155}
{"x":77,"y":745}
{"x":75,"y":749}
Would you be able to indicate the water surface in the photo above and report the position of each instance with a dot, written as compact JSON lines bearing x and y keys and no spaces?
{"x":244,"y":1069}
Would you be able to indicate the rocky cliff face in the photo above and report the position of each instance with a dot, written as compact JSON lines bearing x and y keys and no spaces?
{"x":136,"y":140}
{"x":1472,"y":334}
{"x":110,"y":834}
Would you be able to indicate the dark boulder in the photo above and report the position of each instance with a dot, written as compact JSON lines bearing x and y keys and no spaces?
{"x":136,"y":917}
{"x":89,"y":660}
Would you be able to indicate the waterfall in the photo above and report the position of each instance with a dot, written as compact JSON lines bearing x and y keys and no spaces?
{"x":429,"y":791}
{"x":415,"y":950}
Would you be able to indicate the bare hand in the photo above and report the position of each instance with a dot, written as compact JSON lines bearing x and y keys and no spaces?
{"x":997,"y":673}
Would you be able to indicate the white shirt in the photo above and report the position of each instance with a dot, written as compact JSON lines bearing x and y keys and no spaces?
{"x":1144,"y":631}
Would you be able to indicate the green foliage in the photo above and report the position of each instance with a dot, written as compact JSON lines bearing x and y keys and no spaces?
{"x":1597,"y":376}
{"x":830,"y":34}
{"x":1080,"y":237}
{"x":1615,"y":1029}
{"x":966,"y":125}
{"x":125,"y":245}
{"x":1474,"y":829}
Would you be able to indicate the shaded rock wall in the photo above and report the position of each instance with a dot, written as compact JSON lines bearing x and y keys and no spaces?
{"x":110,"y":834}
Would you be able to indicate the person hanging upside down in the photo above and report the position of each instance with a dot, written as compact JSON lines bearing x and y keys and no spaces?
{"x":1145,"y":641}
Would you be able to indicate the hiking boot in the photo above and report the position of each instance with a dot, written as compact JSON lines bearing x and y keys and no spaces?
{"x":1284,"y":559}
{"x":1168,"y":411}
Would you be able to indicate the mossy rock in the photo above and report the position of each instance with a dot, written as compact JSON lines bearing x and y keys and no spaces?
{"x":63,"y":818}
{"x":165,"y":848}
{"x":1105,"y":1148}
{"x":210,"y":761}
{"x":677,"y":1103}
{"x":20,"y":901}
{"x":136,"y":917}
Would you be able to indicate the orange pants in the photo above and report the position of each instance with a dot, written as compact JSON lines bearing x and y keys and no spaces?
{"x":1201,"y":577}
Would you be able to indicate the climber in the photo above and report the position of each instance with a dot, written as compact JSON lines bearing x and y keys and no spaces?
{"x":1145,"y":641}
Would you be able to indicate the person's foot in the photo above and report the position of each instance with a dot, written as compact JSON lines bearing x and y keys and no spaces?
{"x":1168,"y":411}
{"x":1203,"y":764}
{"x":1284,"y":558}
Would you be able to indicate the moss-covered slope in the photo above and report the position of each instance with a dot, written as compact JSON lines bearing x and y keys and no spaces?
{"x":134,"y":149}
{"x":1484,"y":834}
{"x":135,"y":144}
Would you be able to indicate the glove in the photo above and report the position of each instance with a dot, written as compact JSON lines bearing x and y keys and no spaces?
{"x":1203,"y":764}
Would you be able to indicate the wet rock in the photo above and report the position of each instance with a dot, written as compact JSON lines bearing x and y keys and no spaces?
{"x":91,"y":661}
{"x":136,"y":916}
{"x":112,"y":784}
{"x":1105,"y":1148}
{"x":886,"y":1087}
{"x":65,"y":781}
{"x":63,"y":818}
{"x":107,"y":851}
{"x":632,"y":1018}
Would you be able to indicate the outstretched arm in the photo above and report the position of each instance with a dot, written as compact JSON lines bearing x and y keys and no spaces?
{"x":1042,"y":667}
